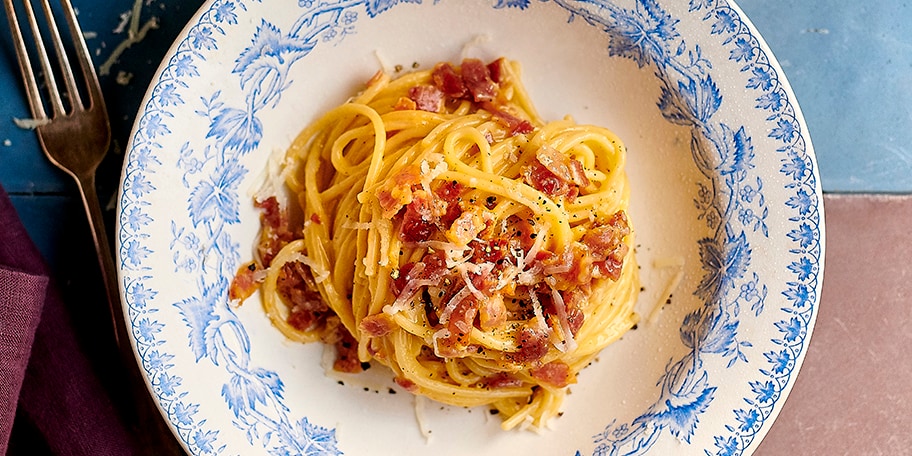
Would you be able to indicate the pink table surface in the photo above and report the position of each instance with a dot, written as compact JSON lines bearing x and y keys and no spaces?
{"x":853,"y":394}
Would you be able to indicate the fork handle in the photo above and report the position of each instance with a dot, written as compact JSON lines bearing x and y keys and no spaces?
{"x":105,"y":257}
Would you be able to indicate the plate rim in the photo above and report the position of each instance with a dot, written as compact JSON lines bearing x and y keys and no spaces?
{"x":752,"y":32}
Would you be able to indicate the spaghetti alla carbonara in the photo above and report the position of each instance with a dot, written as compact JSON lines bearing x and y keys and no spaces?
{"x":439,"y":227}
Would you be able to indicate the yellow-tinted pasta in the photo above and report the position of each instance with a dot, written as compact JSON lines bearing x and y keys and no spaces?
{"x":482,"y":254}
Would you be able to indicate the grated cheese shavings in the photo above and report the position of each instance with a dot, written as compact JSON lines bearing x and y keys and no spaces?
{"x":421,"y":417}
{"x":569,"y":343}
{"x":270,"y":180}
{"x":30,"y":124}
{"x":382,"y":60}
{"x":451,"y":305}
{"x":475,"y":42}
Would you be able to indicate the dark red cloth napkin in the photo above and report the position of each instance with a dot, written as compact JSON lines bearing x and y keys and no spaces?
{"x":21,"y":299}
{"x":43,"y":372}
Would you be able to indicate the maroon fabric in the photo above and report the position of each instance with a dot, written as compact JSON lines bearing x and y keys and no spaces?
{"x":21,"y":299}
{"x":57,"y":390}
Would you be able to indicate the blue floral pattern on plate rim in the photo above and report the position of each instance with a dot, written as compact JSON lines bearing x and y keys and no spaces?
{"x":733,"y":204}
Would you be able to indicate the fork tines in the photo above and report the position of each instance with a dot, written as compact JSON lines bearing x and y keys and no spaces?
{"x":49,"y":88}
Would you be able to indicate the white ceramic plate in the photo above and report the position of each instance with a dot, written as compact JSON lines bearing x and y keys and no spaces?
{"x":725,"y":194}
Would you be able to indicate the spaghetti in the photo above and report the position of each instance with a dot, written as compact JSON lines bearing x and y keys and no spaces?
{"x":449,"y":233}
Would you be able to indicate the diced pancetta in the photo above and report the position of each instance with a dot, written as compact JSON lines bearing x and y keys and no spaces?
{"x":377,"y":325}
{"x":478,"y":80}
{"x":245,"y":282}
{"x":555,"y":373}
{"x":448,"y":81}
{"x":426,"y":98}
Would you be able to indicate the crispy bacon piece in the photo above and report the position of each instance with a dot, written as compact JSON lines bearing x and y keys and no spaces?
{"x":245,"y":282}
{"x":405,"y":104}
{"x":418,"y":220}
{"x":486,"y":280}
{"x":275,"y":231}
{"x":397,"y":191}
{"x":573,"y":267}
{"x":479,"y":83}
{"x":462,"y":319}
{"x":567,"y":169}
{"x":431,"y":267}
{"x":446,"y":345}
{"x":272,"y":215}
{"x":563,"y":309}
{"x":458,"y":310}
{"x":556,"y":174}
{"x":501,"y":380}
{"x":426,"y":98}
{"x":434,"y":265}
{"x":603,"y":239}
{"x":531,"y":344}
{"x":513,"y":124}
{"x":448,"y":81}
{"x":571,"y":314}
{"x":406,"y":384}
{"x":347,"y":353}
{"x":606,"y":242}
{"x":296,"y":285}
{"x":478,"y":80}
{"x":555,"y":373}
{"x":574,"y":300}
{"x":467,"y":226}
{"x":545,"y":181}
{"x":496,"y":70}
{"x":492,"y":313}
{"x":377,"y":325}
{"x":449,"y":193}
{"x":578,"y":174}
{"x":613,"y":263}
{"x":401,"y":278}
{"x":489,"y":250}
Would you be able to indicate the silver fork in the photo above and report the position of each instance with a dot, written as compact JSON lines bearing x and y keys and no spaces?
{"x":75,"y":135}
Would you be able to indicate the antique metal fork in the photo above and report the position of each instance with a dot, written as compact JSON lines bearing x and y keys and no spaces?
{"x":74,"y":132}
